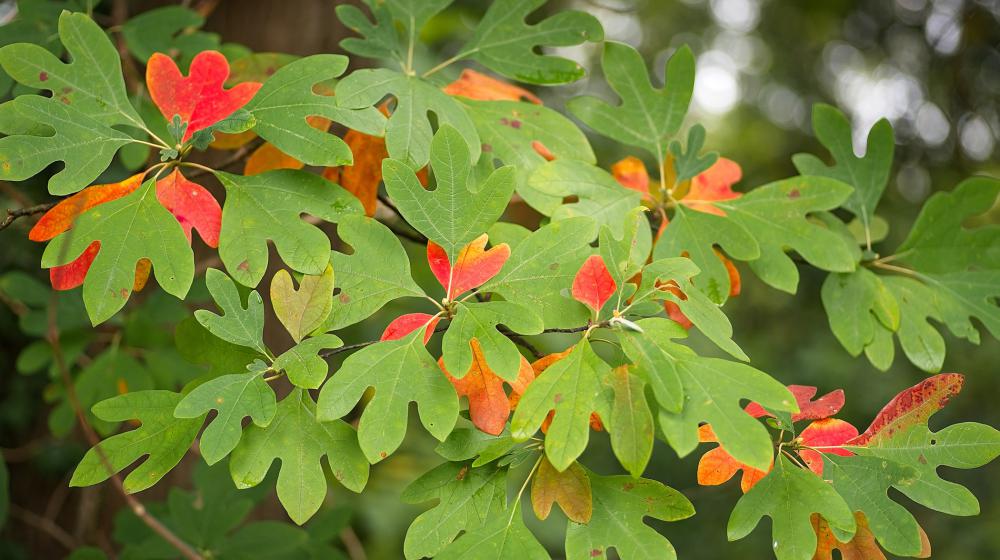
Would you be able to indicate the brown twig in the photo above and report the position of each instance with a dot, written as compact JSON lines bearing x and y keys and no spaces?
{"x":44,"y":525}
{"x":235,"y":157}
{"x":137,"y":507}
{"x":22,"y":212}
{"x":355,"y":551}
{"x":520,"y":341}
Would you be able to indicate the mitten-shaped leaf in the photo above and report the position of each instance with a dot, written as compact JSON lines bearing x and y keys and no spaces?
{"x":467,"y":499}
{"x":571,"y":388}
{"x":297,"y":439}
{"x":234,"y":397}
{"x":161,"y":438}
{"x":457,"y":210}
{"x":199,"y":98}
{"x":500,"y":538}
{"x":375,"y":273}
{"x":789,"y":496}
{"x":408,"y":132}
{"x":287,"y":100}
{"x":237,"y":324}
{"x":129,"y":229}
{"x":285,"y":194}
{"x":599,"y":196}
{"x":620,"y":505}
{"x":304,"y":310}
{"x":386,"y":366}
{"x":481,"y":321}
{"x":569,"y":488}
{"x":304,"y":367}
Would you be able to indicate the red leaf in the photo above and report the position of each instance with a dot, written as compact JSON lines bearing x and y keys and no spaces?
{"x":912,"y":406}
{"x":72,"y":274}
{"x":192,"y":205}
{"x":823,"y":407}
{"x":405,"y":324}
{"x":489,"y":405}
{"x":829,"y":432}
{"x":712,"y":185}
{"x":473,"y":266}
{"x":593,"y":285}
{"x":476,"y":85}
{"x":199,"y":98}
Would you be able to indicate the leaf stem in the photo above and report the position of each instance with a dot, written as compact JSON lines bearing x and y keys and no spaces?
{"x":527,"y":479}
{"x":447,"y":63}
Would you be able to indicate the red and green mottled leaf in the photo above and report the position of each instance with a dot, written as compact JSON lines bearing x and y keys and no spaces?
{"x":474,"y":265}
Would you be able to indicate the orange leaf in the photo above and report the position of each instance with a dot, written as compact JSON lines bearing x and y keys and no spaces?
{"x":476,"y":85}
{"x":489,"y":406}
{"x":912,"y":406}
{"x":862,"y":546}
{"x":225,"y":141}
{"x":362,"y":178}
{"x":473,"y":266}
{"x":712,"y":185}
{"x":192,"y":205}
{"x":405,"y":324}
{"x":829,"y":432}
{"x":717,"y":466}
{"x":632,"y":174}
{"x":593,"y":284}
{"x":199,"y":98}
{"x":570,"y":489}
{"x":60,"y":217}
{"x":823,"y":407}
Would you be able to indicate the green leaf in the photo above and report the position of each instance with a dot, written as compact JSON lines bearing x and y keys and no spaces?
{"x":240,"y":325}
{"x":938,"y":242}
{"x":234,"y":397}
{"x":375,"y":273}
{"x":713,"y":389}
{"x":863,"y":483}
{"x":504,"y":43}
{"x":625,"y":254}
{"x":571,"y":388}
{"x":170,"y":29}
{"x":457,"y":210}
{"x":161,"y":438}
{"x":130,"y":228}
{"x":789,"y":496}
{"x":299,"y":440}
{"x":631,"y":422}
{"x":82,"y":143}
{"x":599,"y":196}
{"x":868,"y":174}
{"x":92,"y":83}
{"x":688,"y":164}
{"x":857,"y":305}
{"x":776,"y":215}
{"x":696,"y":306}
{"x":467,"y":499}
{"x":288,"y":98}
{"x":197,"y":345}
{"x":302,"y":364}
{"x":480,"y":321}
{"x":302,"y":311}
{"x":541,"y":268}
{"x":650,"y":356}
{"x":379,"y":38}
{"x":408,"y":133}
{"x":509,"y":131}
{"x":501,"y":538}
{"x":696,"y":234}
{"x":647,"y":117}
{"x":401,"y":371}
{"x":620,"y":505}
{"x":967,"y":445}
{"x":268,"y":206}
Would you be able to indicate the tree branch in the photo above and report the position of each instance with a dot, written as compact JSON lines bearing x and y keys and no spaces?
{"x":22,"y":212}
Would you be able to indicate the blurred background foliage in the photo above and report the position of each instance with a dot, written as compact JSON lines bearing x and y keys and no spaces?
{"x":931,"y":67}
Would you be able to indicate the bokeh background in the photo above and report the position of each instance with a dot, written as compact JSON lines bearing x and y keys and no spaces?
{"x":931,"y":67}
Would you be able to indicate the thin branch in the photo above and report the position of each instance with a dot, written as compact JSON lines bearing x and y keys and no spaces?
{"x":22,"y":212}
{"x":236,"y":156}
{"x":417,"y":238}
{"x":44,"y":525}
{"x":355,"y":550}
{"x":520,"y":341}
{"x":137,"y":507}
